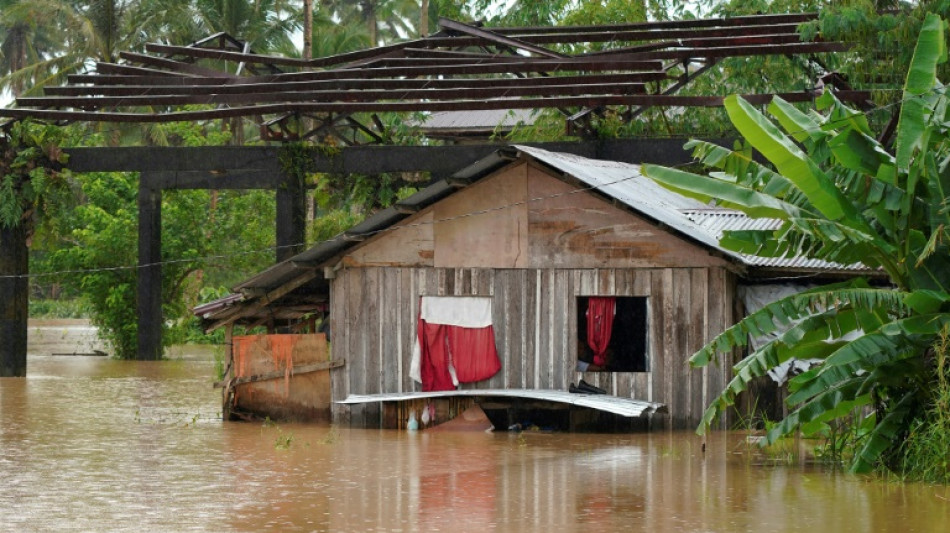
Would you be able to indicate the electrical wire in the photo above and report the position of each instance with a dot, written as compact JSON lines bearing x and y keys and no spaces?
{"x":209,"y":258}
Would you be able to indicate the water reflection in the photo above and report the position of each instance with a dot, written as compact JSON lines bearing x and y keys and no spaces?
{"x":91,"y":444}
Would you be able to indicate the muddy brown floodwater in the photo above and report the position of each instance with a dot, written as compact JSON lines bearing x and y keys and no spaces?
{"x":93,"y":444}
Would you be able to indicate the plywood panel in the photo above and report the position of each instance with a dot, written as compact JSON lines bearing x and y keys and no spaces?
{"x":661,"y":338}
{"x":716,"y":374}
{"x":483,"y":281}
{"x":339,"y":384}
{"x":408,"y":315}
{"x":408,"y":243}
{"x":570,"y":229}
{"x":484,"y":225}
{"x":501,"y":327}
{"x":373,"y":323}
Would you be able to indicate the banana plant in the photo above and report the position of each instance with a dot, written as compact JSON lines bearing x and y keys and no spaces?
{"x":840,"y":195}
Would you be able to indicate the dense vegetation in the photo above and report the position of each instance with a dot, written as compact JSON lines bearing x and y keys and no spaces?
{"x":843,"y":196}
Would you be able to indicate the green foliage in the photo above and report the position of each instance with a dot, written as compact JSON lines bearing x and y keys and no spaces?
{"x":925,"y":455}
{"x":883,"y":38}
{"x":32,"y":179}
{"x":840,"y":196}
{"x":71,"y":308}
{"x":332,"y":223}
{"x":104,"y":231}
{"x":207,"y":240}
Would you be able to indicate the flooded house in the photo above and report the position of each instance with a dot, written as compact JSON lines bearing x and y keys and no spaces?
{"x":523,"y":283}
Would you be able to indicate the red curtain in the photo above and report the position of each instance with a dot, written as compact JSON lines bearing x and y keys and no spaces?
{"x":434,"y":363}
{"x":473,"y":353}
{"x":600,"y":324}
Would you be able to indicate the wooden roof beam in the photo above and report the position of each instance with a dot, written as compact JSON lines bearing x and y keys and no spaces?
{"x":649,"y":69}
{"x":224,"y":55}
{"x":146,"y":77}
{"x":252,"y":308}
{"x":497,"y":38}
{"x":658,"y":35}
{"x":115,"y":69}
{"x":629,"y":35}
{"x":429,"y":105}
{"x":738,"y":51}
{"x":704,"y":42}
{"x":172,"y":65}
{"x":732,"y":22}
{"x":365,"y":95}
{"x":344,"y":84}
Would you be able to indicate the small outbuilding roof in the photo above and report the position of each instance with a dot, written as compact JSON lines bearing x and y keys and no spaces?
{"x":474,"y":124}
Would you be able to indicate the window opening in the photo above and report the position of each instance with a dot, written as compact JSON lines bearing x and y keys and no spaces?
{"x":612,"y":334}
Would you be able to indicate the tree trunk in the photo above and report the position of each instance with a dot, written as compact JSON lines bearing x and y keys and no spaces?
{"x":307,"y":29}
{"x":424,"y":19}
{"x":14,"y":300}
{"x":372,"y":24}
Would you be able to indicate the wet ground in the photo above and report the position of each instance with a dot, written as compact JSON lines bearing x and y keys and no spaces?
{"x":92,"y":444}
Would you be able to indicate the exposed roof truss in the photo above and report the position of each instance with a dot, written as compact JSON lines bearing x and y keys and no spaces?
{"x":462,"y":68}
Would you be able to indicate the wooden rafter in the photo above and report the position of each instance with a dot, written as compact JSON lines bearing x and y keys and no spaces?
{"x":464,"y":67}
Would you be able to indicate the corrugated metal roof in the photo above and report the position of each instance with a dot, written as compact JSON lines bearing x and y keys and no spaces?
{"x":716,"y":221}
{"x":627,"y":407}
{"x":486,"y":119}
{"x":213,"y":307}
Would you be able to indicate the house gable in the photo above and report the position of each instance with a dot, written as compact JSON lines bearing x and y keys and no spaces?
{"x":483,"y":225}
{"x":570,"y":229}
{"x":524,"y":217}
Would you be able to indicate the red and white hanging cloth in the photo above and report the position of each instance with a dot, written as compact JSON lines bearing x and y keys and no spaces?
{"x":454,"y":342}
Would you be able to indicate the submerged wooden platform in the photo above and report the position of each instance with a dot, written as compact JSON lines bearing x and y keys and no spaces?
{"x":507,"y":407}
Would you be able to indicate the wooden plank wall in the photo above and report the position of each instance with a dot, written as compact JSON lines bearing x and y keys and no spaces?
{"x":374,"y":311}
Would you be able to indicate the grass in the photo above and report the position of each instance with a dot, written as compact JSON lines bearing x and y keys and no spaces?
{"x":925,"y":455}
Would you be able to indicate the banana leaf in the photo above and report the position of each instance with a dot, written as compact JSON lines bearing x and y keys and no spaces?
{"x":749,"y":201}
{"x":931,"y":50}
{"x":792,"y":163}
{"x":884,"y":435}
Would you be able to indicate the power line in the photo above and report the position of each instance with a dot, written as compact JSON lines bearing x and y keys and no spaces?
{"x":209,"y":258}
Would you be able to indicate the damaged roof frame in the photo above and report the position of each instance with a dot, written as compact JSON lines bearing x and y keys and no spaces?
{"x":463,"y":67}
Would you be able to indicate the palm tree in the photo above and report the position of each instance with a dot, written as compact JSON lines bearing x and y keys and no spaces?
{"x":24,"y":41}
{"x":267,"y":25}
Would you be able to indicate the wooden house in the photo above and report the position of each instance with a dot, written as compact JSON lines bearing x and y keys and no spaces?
{"x":537,"y":236}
